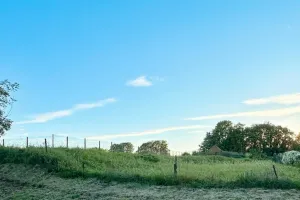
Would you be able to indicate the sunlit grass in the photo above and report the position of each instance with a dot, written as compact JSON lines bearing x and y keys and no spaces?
{"x":197,"y":171}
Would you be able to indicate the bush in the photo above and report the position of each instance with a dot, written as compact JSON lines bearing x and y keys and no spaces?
{"x":150,"y":158}
{"x":258,"y":155}
{"x":232,"y":154}
{"x":186,"y":154}
{"x":277,"y":158}
{"x":291,"y":157}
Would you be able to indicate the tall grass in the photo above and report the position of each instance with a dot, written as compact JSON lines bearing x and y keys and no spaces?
{"x":197,"y":171}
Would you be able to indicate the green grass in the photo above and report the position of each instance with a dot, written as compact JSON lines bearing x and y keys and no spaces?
{"x":195,"y":171}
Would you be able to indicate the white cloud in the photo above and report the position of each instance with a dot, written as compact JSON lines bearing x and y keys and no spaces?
{"x":42,"y":118}
{"x":287,"y":99}
{"x":139,"y":82}
{"x":263,"y":113}
{"x":148,"y":132}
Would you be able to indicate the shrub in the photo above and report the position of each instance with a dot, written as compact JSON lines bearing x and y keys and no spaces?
{"x":186,"y":154}
{"x":150,"y":157}
{"x":277,"y":158}
{"x":232,"y":154}
{"x":291,"y":157}
{"x":258,"y":155}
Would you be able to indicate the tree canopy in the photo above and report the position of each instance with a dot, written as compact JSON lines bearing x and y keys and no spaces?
{"x":265,"y":138}
{"x":155,"y":147}
{"x":6,"y":101}
{"x":125,"y":147}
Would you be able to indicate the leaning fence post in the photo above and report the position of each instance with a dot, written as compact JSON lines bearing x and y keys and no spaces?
{"x":275,"y":171}
{"x":26,"y":142}
{"x":84,"y":143}
{"x":46,"y":145}
{"x":175,"y":167}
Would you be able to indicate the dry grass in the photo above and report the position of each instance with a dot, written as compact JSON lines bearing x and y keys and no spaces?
{"x":22,"y":182}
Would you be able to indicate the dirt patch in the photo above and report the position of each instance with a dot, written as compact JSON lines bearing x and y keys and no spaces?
{"x":21,"y":182}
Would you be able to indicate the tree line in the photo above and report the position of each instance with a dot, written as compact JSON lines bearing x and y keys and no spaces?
{"x":265,"y":138}
{"x":151,"y":147}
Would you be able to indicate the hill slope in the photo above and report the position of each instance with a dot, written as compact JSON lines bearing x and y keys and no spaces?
{"x":195,"y":171}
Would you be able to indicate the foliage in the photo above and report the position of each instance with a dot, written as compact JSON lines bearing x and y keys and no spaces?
{"x":196,"y":171}
{"x":291,"y":157}
{"x":197,"y":153}
{"x":154,"y":147}
{"x":265,"y":139}
{"x":257,"y":155}
{"x":186,"y":154}
{"x":150,"y":157}
{"x":6,"y":100}
{"x":226,"y":136}
{"x":232,"y":154}
{"x":125,"y":147}
{"x":277,"y":157}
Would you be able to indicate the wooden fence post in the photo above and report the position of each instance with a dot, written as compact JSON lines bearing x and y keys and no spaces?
{"x":175,"y":167}
{"x":82,"y":169}
{"x":99,"y":145}
{"x":275,"y":171}
{"x":67,"y":141}
{"x":84,"y":143}
{"x":46,"y":145}
{"x":111,"y":145}
{"x":3,"y":142}
{"x":26,"y":142}
{"x":52,"y":140}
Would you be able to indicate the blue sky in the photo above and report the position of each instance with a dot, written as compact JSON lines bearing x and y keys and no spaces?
{"x":141,"y":70}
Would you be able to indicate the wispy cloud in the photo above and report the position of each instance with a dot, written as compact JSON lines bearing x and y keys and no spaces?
{"x":287,"y":99}
{"x":141,"y":81}
{"x":42,"y":118}
{"x":263,"y":113}
{"x":148,"y":132}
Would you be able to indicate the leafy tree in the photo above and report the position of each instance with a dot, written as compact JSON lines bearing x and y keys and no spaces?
{"x":260,"y":138}
{"x":225,"y":135}
{"x":296,"y":145}
{"x":155,"y":147}
{"x":125,"y":147}
{"x":6,"y":101}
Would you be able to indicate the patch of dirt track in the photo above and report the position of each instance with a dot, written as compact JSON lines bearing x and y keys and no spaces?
{"x":20,"y":182}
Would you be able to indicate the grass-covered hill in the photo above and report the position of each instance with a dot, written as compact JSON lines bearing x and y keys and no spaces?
{"x":195,"y":171}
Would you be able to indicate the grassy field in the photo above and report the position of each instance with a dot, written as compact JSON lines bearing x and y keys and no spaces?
{"x":193,"y":171}
{"x":23,"y":182}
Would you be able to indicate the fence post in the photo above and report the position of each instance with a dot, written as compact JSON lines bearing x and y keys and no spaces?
{"x":275,"y":171}
{"x":26,"y":142}
{"x":46,"y":145}
{"x":111,"y":145}
{"x":67,"y":141}
{"x":3,"y":142}
{"x":84,"y":143}
{"x":175,"y":167}
{"x":52,"y":140}
{"x":99,"y":145}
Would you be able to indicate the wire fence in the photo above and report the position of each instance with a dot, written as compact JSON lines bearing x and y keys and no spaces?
{"x":55,"y":141}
